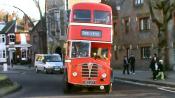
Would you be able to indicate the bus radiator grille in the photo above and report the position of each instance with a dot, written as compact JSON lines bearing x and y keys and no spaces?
{"x":89,"y":70}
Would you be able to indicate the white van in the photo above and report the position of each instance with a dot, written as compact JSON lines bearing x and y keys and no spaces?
{"x":48,"y":63}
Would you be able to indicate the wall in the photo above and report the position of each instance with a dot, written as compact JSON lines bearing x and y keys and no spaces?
{"x":134,"y":39}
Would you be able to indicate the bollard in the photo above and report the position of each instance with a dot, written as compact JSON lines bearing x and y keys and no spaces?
{"x":5,"y":67}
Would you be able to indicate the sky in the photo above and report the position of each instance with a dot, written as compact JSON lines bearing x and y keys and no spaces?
{"x":28,"y":6}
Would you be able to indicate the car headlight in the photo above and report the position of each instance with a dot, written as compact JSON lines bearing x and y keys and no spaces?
{"x":74,"y":74}
{"x":50,"y":66}
{"x":47,"y":65}
{"x":103,"y":75}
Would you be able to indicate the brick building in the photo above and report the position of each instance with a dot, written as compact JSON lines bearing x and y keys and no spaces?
{"x":14,"y":40}
{"x":135,"y":33}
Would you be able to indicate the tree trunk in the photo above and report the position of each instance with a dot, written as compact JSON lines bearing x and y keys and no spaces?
{"x":163,"y":48}
{"x":166,"y":59}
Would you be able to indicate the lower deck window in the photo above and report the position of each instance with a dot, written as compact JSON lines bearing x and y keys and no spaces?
{"x":99,"y":53}
{"x":2,"y":54}
{"x":24,"y":53}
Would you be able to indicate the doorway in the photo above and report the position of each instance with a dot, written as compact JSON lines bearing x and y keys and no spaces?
{"x":59,"y":51}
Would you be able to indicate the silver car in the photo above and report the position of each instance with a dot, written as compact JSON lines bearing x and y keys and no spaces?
{"x":48,"y":63}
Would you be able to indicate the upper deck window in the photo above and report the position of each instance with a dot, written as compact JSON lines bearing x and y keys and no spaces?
{"x":101,"y":17}
{"x":82,"y":16}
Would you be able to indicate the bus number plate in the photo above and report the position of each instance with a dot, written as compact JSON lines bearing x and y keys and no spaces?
{"x":89,"y":82}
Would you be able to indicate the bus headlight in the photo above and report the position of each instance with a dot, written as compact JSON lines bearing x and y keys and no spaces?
{"x":74,"y":74}
{"x":103,"y":75}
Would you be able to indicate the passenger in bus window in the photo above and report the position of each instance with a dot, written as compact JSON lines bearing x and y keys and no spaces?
{"x":105,"y":56}
{"x":107,"y":19}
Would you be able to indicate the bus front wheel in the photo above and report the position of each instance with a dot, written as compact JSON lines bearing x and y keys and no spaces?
{"x":67,"y":86}
{"x":108,"y":88}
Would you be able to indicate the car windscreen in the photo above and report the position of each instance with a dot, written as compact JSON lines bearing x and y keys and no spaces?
{"x":52,"y":58}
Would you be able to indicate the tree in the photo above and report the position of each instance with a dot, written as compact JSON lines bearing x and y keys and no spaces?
{"x":39,"y":8}
{"x":31,"y":22}
{"x":165,"y":9}
{"x":2,"y":15}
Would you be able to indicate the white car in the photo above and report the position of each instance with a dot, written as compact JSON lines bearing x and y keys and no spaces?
{"x":48,"y":63}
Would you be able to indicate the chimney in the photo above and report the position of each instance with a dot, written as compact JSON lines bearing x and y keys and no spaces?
{"x":13,"y":16}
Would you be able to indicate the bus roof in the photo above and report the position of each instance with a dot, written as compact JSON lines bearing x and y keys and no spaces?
{"x":92,"y":6}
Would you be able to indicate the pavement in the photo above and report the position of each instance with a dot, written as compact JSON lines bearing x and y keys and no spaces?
{"x":145,"y":77}
{"x":15,"y":68}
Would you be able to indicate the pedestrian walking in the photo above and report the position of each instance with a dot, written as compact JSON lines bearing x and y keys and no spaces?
{"x":125,"y":65}
{"x":160,"y":74}
{"x":154,"y":66}
{"x":132,"y":64}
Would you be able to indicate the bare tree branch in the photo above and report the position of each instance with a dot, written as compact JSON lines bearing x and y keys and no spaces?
{"x":25,"y":15}
{"x":154,"y":19}
{"x":39,"y":8}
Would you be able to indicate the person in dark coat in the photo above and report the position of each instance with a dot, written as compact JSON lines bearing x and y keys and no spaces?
{"x":125,"y":65}
{"x":12,"y":63}
{"x":132,"y":64}
{"x":154,"y":66}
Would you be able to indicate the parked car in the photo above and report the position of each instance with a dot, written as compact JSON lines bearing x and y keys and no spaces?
{"x":48,"y":63}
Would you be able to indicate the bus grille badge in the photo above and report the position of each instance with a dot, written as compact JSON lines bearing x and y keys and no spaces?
{"x":90,"y":68}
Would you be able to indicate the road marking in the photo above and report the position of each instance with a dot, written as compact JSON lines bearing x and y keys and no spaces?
{"x":164,"y":88}
{"x":168,"y":89}
{"x":137,"y":83}
{"x":23,"y":72}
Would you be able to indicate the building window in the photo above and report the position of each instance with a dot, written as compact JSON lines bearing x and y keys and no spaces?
{"x":174,"y":54}
{"x":144,"y":23}
{"x":2,"y":38}
{"x":2,"y":54}
{"x":57,"y":22}
{"x":116,"y":54}
{"x":12,"y":38}
{"x":126,"y":21}
{"x":35,"y":39}
{"x":174,"y":18}
{"x":115,"y":28}
{"x":128,"y":52}
{"x":24,"y":55}
{"x":138,"y":2}
{"x":145,"y":52}
{"x":62,"y":24}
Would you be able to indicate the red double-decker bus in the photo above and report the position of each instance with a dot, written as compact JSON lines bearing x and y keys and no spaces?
{"x":89,"y":42}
